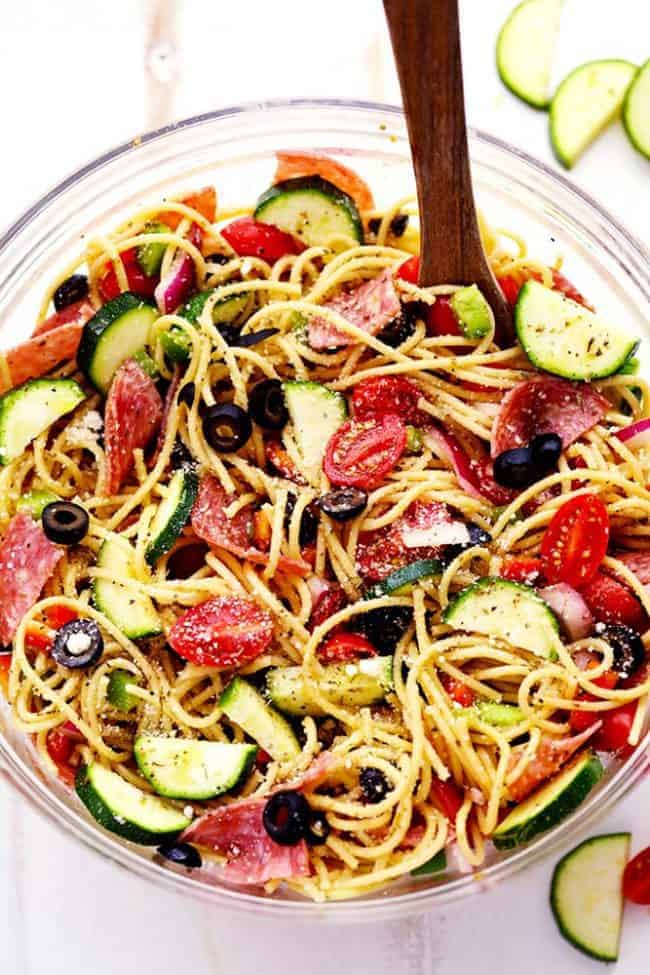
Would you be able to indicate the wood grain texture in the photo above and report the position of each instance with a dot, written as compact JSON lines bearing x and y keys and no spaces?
{"x":426,"y":43}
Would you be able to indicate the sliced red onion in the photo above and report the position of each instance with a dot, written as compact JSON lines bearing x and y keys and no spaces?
{"x":447,"y":446}
{"x":570,"y":608}
{"x":636,"y":435}
{"x":178,"y":283}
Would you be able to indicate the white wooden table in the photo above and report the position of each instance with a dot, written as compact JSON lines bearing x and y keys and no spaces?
{"x":74,"y":83}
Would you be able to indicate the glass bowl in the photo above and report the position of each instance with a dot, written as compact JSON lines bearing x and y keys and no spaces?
{"x":234,"y":149}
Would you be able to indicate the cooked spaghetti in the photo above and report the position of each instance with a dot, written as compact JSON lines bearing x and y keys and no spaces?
{"x":345,"y":514}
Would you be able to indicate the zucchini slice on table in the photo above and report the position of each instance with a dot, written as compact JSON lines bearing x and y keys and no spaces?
{"x":550,"y":804}
{"x":564,"y":338}
{"x":188,"y":769}
{"x":28,"y":410}
{"x":247,"y":708}
{"x":525,"y":49}
{"x":587,"y":895}
{"x":131,"y":612}
{"x":354,"y":685}
{"x":508,"y":610}
{"x":172,"y":514}
{"x":316,"y":412}
{"x":311,"y":208}
{"x":122,"y":808}
{"x":636,"y":111}
{"x":116,"y":332}
{"x":585,"y":103}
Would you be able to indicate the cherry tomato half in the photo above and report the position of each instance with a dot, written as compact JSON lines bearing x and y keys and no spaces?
{"x":447,"y":797}
{"x":139,"y":283}
{"x":460,"y":693}
{"x":374,"y":398}
{"x":362,"y":454}
{"x":522,"y":568}
{"x":575,"y":542}
{"x":441,"y":319}
{"x":58,"y":615}
{"x":410,"y":270}
{"x":612,"y":602}
{"x":250,"y":238}
{"x":613,"y":735}
{"x":636,"y":878}
{"x":226,"y":631}
{"x":345,"y":646}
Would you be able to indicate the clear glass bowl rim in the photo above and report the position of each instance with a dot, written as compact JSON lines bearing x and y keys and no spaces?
{"x":384,"y":905}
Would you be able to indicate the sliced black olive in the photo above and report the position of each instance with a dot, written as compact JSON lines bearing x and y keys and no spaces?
{"x":402,"y":327}
{"x":184,"y":854}
{"x":78,"y":644}
{"x":629,"y":652}
{"x":515,"y":468}
{"x":546,"y":449}
{"x":181,"y":457}
{"x":252,"y":338}
{"x":318,"y":829}
{"x":218,"y":258}
{"x":187,"y":560}
{"x":267,"y":406}
{"x":398,"y":224}
{"x":384,"y":626}
{"x":477,"y":536}
{"x":343,"y":504}
{"x":308,"y":522}
{"x":72,"y":289}
{"x":373,"y":784}
{"x":186,"y":394}
{"x":226,"y":427}
{"x":286,"y":817}
{"x":65,"y":522}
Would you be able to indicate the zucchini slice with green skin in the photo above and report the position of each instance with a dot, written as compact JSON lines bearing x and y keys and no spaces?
{"x":312,"y":209}
{"x":150,"y":256}
{"x":247,"y":708}
{"x":131,"y":612}
{"x":176,"y":343}
{"x":118,"y":693}
{"x":122,"y":808}
{"x":498,"y":715}
{"x":316,"y":412}
{"x":585,"y":103}
{"x":436,"y":864}
{"x":525,"y":48}
{"x":472,"y":312}
{"x":28,"y":410}
{"x":587,"y":895}
{"x":562,"y":337}
{"x":636,"y":111}
{"x":116,"y":332}
{"x":189,"y":769}
{"x":34,"y":502}
{"x":550,"y":804}
{"x":354,"y":685}
{"x":172,"y":514}
{"x":402,"y":581}
{"x":508,"y":610}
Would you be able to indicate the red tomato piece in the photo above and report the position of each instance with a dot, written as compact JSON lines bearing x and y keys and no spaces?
{"x":328,"y":603}
{"x":636,"y":878}
{"x":522,"y":568}
{"x":441,"y":319}
{"x":612,"y":602}
{"x":410,"y":270}
{"x":575,"y":542}
{"x":374,"y":398}
{"x":362,"y":454}
{"x":250,"y":238}
{"x":460,"y":693}
{"x":139,"y":283}
{"x":60,"y":745}
{"x":57,"y":616}
{"x":447,"y":797}
{"x":35,"y":639}
{"x":226,"y":631}
{"x":613,"y":735}
{"x":345,"y":646}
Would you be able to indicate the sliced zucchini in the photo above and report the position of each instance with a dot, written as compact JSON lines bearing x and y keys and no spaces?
{"x":636,"y":111}
{"x":562,"y":337}
{"x":550,"y":804}
{"x":499,"y":715}
{"x":188,"y":769}
{"x":508,"y":610}
{"x":118,"y":693}
{"x":414,"y":441}
{"x":316,"y":412}
{"x":34,"y":502}
{"x":132,"y":612}
{"x":472,"y":312}
{"x":525,"y":48}
{"x":402,"y":581}
{"x":150,"y":256}
{"x":312,"y":209}
{"x":176,"y":342}
{"x":172,"y":514}
{"x":436,"y":864}
{"x":354,"y":685}
{"x":116,"y":332}
{"x":587,"y":895}
{"x":126,"y":810}
{"x":585,"y":103}
{"x":248,"y":709}
{"x":146,"y":363}
{"x":28,"y":410}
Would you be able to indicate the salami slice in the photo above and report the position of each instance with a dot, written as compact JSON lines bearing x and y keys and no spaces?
{"x":550,"y":756}
{"x":39,"y":355}
{"x":27,"y":560}
{"x":224,"y":632}
{"x":211,"y":523}
{"x":81,"y":311}
{"x":638,"y":563}
{"x":293,"y":164}
{"x":133,"y":414}
{"x":370,"y":306}
{"x":546,"y":405}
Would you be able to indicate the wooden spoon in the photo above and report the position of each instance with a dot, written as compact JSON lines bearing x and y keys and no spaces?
{"x":426,"y":44}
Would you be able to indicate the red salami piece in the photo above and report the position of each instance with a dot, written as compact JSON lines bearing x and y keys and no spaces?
{"x":226,"y":631}
{"x":210,"y":523}
{"x":39,"y":355}
{"x":550,"y":756}
{"x":545,"y":405}
{"x":370,"y":306}
{"x":81,"y":311}
{"x":292,"y":164}
{"x":133,"y":414}
{"x":27,"y":560}
{"x":474,"y":474}
{"x":638,"y":563}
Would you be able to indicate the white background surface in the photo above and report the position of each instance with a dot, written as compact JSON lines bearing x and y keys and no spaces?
{"x":76,"y":79}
